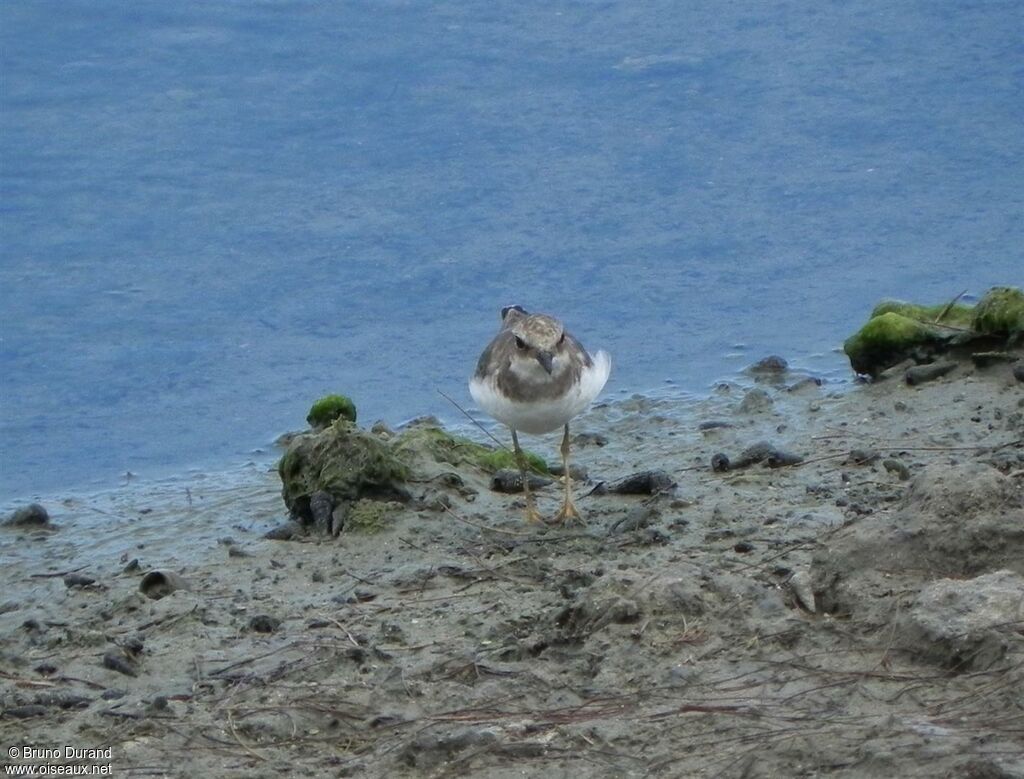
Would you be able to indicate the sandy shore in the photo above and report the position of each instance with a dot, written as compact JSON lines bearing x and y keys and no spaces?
{"x":857,"y":613}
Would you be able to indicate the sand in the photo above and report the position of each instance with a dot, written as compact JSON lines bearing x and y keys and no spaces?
{"x":854,"y":614}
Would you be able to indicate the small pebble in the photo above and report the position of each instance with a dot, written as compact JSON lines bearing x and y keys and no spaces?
{"x":743,"y":547}
{"x":892,"y":465}
{"x":78,"y":580}
{"x":719,"y":463}
{"x":862,"y":456}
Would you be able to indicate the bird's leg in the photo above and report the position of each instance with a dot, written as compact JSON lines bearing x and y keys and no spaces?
{"x":531,"y":510}
{"x":568,"y":513}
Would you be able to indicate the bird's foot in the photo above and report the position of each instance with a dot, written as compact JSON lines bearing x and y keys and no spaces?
{"x":567,"y":515}
{"x":532,"y":515}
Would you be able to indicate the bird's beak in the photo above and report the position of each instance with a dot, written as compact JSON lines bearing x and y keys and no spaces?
{"x":546,"y":360}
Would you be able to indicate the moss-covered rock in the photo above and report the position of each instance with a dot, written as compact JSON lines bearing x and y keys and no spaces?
{"x":885,"y":340}
{"x":328,"y":408}
{"x":439,"y":445}
{"x":958,"y":314}
{"x":999,"y":312}
{"x":345,"y":462}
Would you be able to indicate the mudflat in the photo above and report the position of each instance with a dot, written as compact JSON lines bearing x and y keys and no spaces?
{"x":843,"y":596}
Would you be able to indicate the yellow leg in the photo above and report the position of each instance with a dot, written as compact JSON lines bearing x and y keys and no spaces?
{"x":568,"y":513}
{"x":531,"y":510}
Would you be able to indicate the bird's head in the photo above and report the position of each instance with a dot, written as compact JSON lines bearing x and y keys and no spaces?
{"x":539,"y":340}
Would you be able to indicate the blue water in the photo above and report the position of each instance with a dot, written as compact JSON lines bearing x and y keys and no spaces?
{"x":213,"y":212}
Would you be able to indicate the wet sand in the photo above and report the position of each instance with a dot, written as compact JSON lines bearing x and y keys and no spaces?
{"x":857,"y":613}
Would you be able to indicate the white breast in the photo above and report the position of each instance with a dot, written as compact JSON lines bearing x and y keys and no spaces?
{"x":545,"y":415}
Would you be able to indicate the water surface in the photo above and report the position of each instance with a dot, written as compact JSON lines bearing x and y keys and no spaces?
{"x":212,"y":213}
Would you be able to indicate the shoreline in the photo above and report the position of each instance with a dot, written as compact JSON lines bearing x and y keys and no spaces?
{"x":747,"y":623}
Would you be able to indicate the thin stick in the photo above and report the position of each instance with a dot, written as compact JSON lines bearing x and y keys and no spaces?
{"x":470,"y":418}
{"x":949,"y":306}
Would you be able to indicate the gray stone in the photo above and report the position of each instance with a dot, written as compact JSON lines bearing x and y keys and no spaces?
{"x":965,"y":625}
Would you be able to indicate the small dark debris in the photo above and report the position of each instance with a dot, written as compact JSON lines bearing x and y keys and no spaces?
{"x":780,"y":458}
{"x":264,"y":623}
{"x":743,"y":547}
{"x":509,"y":481}
{"x":862,"y":456}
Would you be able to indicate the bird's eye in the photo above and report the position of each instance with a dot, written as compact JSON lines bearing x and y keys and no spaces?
{"x":520,"y":343}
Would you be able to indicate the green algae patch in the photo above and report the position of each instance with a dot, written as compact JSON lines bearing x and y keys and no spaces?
{"x":999,"y":312}
{"x":329,"y":408}
{"x":438,"y":445}
{"x":343,"y":461}
{"x":958,"y":315}
{"x":885,"y":340}
{"x":367,"y":516}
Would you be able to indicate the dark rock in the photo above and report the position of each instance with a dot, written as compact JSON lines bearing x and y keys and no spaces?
{"x":78,"y":580}
{"x":264,"y":623}
{"x":720,"y":463}
{"x":25,"y":712}
{"x":919,"y":374}
{"x":510,"y":481}
{"x":116,"y":660}
{"x":285,"y":532}
{"x":773,"y":364}
{"x":1018,"y":371}
{"x":132,"y":567}
{"x":643,"y":483}
{"x":714,"y":424}
{"x":743,"y":547}
{"x":32,"y":515}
